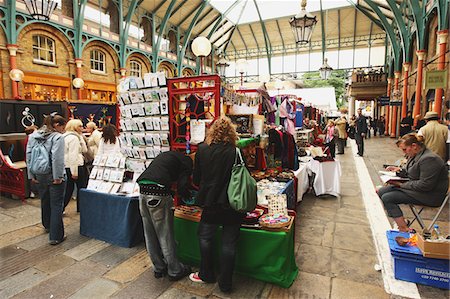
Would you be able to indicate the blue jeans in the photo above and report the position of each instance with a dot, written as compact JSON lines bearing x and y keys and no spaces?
{"x":393,"y":196}
{"x":52,"y":205}
{"x":230,"y":236}
{"x":157,"y":217}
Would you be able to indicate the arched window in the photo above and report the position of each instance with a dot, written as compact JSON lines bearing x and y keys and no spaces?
{"x":135,"y":68}
{"x":98,"y":61}
{"x":43,"y":49}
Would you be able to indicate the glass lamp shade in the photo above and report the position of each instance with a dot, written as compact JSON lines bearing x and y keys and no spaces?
{"x":201,"y":46}
{"x":221,"y":65}
{"x":41,"y":9}
{"x":325,"y":70}
{"x":302,"y":26}
{"x":78,"y":83}
{"x":16,"y":75}
{"x":241,"y":65}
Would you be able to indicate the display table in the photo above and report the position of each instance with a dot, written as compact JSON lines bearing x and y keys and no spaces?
{"x":327,"y":177}
{"x":263,"y":255}
{"x":110,"y":218}
{"x":302,"y":180}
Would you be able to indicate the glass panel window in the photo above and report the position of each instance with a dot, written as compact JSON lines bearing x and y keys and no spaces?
{"x":97,"y":61}
{"x":135,"y":68}
{"x":43,"y":49}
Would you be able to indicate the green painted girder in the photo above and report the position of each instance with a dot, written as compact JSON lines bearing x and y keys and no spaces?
{"x":223,"y":34}
{"x":366,"y":13}
{"x":222,"y":16}
{"x":322,"y":27}
{"x":266,"y":38}
{"x":125,"y":31}
{"x":162,"y":28}
{"x":253,"y":34}
{"x":216,"y":19}
{"x":242,"y":38}
{"x":201,"y":4}
{"x":159,"y":6}
{"x":188,"y":33}
{"x":404,"y":31}
{"x":443,"y":14}
{"x":419,"y":14}
{"x":205,"y":15}
{"x":390,"y":33}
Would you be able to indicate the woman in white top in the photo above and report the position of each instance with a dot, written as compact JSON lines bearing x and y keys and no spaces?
{"x":109,"y":144}
{"x":75,"y":147}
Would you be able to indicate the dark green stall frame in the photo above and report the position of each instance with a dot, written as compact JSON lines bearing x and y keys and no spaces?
{"x":263,"y":255}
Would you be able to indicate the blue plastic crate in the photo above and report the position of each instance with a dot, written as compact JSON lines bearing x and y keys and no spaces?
{"x":410,"y":265}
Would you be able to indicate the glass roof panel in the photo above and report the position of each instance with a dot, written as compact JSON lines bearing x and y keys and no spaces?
{"x":270,"y":9}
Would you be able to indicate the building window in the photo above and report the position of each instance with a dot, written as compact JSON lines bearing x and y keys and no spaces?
{"x":98,"y":61}
{"x":43,"y":49}
{"x":135,"y":68}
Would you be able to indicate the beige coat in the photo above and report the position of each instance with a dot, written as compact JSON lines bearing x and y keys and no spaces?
{"x":340,"y":125}
{"x":435,"y":136}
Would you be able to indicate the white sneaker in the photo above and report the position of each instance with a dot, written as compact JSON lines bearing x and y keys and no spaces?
{"x":195,"y":278}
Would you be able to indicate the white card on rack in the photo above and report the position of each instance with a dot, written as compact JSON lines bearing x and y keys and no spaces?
{"x":163,"y":94}
{"x":148,"y":139}
{"x":148,"y":124}
{"x":161,"y":78}
{"x":97,"y":160}
{"x":165,"y":149}
{"x":122,"y":162}
{"x":115,"y":188}
{"x":106,"y":174}
{"x":150,"y":154}
{"x":135,"y":152}
{"x":103,"y":160}
{"x":140,"y":123}
{"x":113,"y":161}
{"x":147,"y":80}
{"x":148,"y":108}
{"x":142,"y":153}
{"x":100,"y":173}
{"x":164,"y":105}
{"x":156,"y":139}
{"x":93,"y":173}
{"x":156,"y":123}
{"x":164,"y":137}
{"x":157,"y":150}
{"x":165,"y":123}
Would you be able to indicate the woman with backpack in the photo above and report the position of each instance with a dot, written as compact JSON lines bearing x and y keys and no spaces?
{"x":45,"y":165}
{"x":212,"y":172}
{"x":75,"y":147}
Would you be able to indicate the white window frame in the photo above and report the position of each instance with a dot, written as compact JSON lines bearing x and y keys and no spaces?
{"x":41,"y":45}
{"x":97,"y":57}
{"x":135,"y":68}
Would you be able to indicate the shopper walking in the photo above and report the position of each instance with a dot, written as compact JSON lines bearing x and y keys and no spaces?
{"x":381,"y":127}
{"x":360,"y":131}
{"x":435,"y":135}
{"x":156,"y":207}
{"x":341,"y":125}
{"x":213,"y":163}
{"x":50,"y":184}
{"x":331,"y":133}
{"x":428,"y":180}
{"x":75,"y":148}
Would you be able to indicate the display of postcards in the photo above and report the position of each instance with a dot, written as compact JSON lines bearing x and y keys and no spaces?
{"x":122,"y":162}
{"x":127,"y":188}
{"x":135,"y":153}
{"x":155,"y":94}
{"x":156,"y":123}
{"x":106,"y":174}
{"x":149,"y":153}
{"x":103,"y":160}
{"x":140,"y":123}
{"x":129,"y":124}
{"x":163,"y":94}
{"x":115,"y":188}
{"x":148,"y":124}
{"x":116,"y":175}
{"x":148,"y":139}
{"x":99,"y":175}
{"x":128,"y":140}
{"x":156,"y":150}
{"x":123,"y":139}
{"x":165,"y":123}
{"x":138,"y":166}
{"x":148,"y":108}
{"x":127,"y":111}
{"x":156,"y":139}
{"x":161,"y":78}
{"x":137,"y":110}
{"x":93,"y":185}
{"x":135,"y":82}
{"x":122,"y":125}
{"x":129,"y":152}
{"x":105,"y":187}
{"x":150,"y":80}
{"x":93,"y":173}
{"x":155,"y":108}
{"x":164,"y":139}
{"x":134,"y":96}
{"x":141,"y":110}
{"x":165,"y":149}
{"x":125,"y":98}
{"x":97,"y":160}
{"x":141,"y":138}
{"x":113,"y":161}
{"x":134,"y":125}
{"x":142,"y":153}
{"x":164,"y":104}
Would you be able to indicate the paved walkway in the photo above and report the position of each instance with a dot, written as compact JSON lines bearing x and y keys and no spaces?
{"x":335,"y":251}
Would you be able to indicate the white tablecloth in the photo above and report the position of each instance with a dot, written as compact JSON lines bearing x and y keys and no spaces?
{"x":302,"y":180}
{"x":327,"y":179}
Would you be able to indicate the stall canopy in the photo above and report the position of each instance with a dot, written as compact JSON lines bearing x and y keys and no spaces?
{"x":323,"y":98}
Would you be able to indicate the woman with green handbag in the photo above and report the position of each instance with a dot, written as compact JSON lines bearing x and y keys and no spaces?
{"x":213,"y":164}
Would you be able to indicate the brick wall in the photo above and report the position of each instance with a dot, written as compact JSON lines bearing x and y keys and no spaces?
{"x":111,"y":60}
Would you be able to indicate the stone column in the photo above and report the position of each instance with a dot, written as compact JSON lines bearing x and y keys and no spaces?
{"x":394,"y":108}
{"x":388,"y":108}
{"x":420,"y":58}
{"x":442,"y":39}
{"x":13,"y":65}
{"x":406,"y":67}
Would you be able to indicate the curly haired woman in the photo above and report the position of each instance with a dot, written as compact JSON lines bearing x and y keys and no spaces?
{"x":213,"y":163}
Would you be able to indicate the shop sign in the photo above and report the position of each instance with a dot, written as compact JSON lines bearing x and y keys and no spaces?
{"x":395,"y":103}
{"x":383,"y":101}
{"x":436,"y":79}
{"x":43,"y":79}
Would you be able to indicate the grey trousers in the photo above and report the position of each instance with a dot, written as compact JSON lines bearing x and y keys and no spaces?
{"x":157,"y":217}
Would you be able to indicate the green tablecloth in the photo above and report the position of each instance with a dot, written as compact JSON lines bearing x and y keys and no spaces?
{"x":263,"y":255}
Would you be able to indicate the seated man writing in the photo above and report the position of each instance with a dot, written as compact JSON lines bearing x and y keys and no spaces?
{"x":428,"y":180}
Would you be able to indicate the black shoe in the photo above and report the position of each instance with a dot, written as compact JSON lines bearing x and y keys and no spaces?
{"x":159,"y":274}
{"x":56,"y":242}
{"x":187,"y":270}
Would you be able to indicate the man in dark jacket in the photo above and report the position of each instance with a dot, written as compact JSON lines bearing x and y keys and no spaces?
{"x":156,"y":203}
{"x":361,"y":130}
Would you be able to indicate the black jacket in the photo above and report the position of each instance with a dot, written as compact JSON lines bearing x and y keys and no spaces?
{"x":212,"y":172}
{"x":170,"y":167}
{"x":361,"y":125}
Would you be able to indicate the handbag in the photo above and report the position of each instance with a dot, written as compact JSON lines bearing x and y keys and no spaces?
{"x":242,"y":187}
